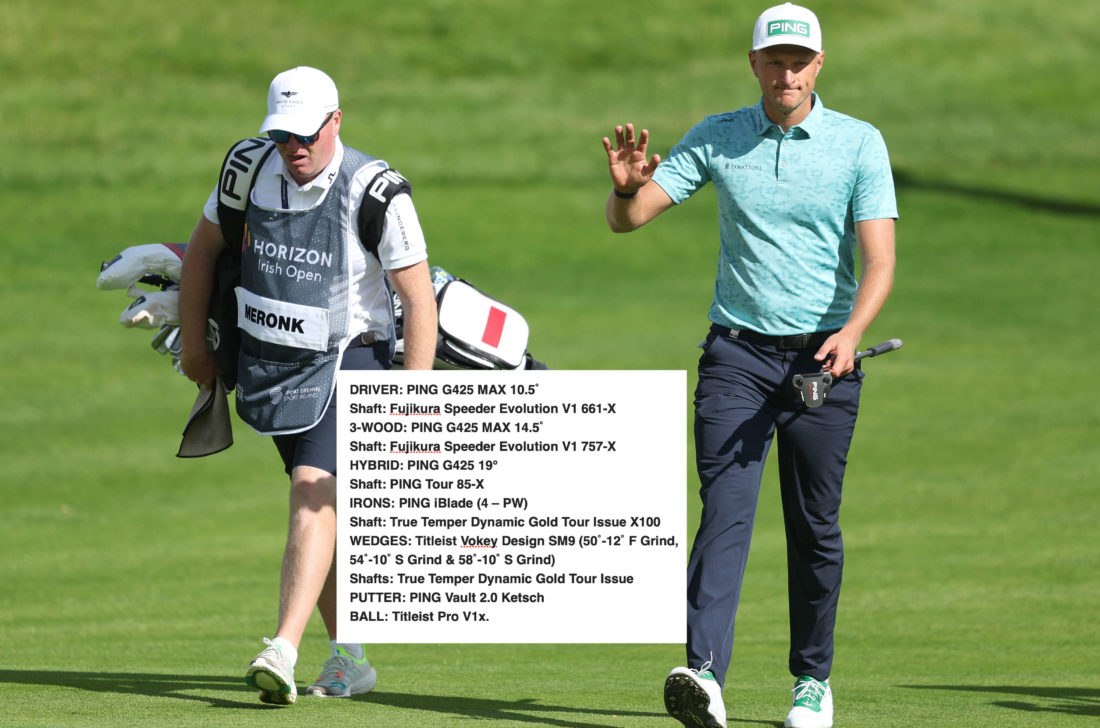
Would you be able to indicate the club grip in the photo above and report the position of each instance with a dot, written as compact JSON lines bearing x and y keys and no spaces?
{"x":884,"y":347}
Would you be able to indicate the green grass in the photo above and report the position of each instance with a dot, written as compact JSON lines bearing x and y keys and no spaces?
{"x":135,"y":586}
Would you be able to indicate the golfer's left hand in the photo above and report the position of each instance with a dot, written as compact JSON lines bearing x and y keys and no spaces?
{"x":838,"y":354}
{"x":626,"y":159}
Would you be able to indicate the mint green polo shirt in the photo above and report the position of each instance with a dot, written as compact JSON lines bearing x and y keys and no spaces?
{"x":787,"y":207}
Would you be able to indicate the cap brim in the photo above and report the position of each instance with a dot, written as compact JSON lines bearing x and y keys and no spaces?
{"x":301,"y":124}
{"x":785,"y":41}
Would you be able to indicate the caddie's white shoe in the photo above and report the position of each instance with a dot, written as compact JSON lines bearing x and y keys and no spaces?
{"x":272,"y":674}
{"x":343,"y":676}
{"x":811,"y":704}
{"x":694,"y":698}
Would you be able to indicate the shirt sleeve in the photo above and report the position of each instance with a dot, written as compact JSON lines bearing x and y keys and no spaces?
{"x":874,"y":198}
{"x":402,"y":242}
{"x":210,"y":209}
{"x":686,"y":170}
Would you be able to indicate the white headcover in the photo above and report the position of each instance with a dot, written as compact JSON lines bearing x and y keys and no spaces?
{"x":135,"y":262}
{"x":151,"y":309}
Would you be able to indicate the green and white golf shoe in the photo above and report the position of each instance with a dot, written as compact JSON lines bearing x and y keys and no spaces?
{"x":694,"y":698}
{"x":811,"y":704}
{"x":272,"y":673}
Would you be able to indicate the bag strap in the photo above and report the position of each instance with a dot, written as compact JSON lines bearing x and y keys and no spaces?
{"x":238,"y":177}
{"x":235,"y":183}
{"x":381,"y":190}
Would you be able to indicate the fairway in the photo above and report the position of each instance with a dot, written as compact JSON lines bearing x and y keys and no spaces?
{"x":135,"y":586}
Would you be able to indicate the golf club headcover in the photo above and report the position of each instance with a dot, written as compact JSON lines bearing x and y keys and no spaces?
{"x":151,"y":309}
{"x":813,"y":388}
{"x":138,"y":261}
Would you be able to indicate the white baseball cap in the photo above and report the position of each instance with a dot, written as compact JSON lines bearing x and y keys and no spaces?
{"x":299,"y":100}
{"x":787,"y":24}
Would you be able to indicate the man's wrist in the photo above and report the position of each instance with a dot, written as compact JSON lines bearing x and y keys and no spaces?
{"x":624,"y":195}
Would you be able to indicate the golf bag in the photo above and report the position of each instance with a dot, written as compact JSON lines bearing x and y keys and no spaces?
{"x":475,"y":331}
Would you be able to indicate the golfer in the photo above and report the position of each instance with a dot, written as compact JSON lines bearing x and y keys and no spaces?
{"x":312,"y":299}
{"x":800,"y":188}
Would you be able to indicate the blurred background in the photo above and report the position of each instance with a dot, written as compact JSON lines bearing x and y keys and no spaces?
{"x":972,"y":493}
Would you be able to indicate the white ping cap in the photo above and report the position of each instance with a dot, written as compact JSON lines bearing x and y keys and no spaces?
{"x":787,"y":24}
{"x":299,"y":100}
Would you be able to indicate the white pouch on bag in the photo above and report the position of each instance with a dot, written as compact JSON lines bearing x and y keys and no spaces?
{"x":477,"y":327}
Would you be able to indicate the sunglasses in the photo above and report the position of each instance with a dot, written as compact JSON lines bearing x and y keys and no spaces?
{"x":282,"y":137}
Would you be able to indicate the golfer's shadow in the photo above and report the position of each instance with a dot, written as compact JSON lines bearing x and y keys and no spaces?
{"x":1067,"y":701}
{"x":143,"y":683}
{"x":184,"y":687}
{"x":519,"y":710}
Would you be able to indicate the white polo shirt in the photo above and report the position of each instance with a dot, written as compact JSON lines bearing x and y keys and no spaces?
{"x":402,"y":242}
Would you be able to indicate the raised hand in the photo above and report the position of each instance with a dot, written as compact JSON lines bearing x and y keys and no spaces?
{"x":626,"y":160}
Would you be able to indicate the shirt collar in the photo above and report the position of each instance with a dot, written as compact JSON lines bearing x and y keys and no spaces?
{"x":809,"y":126}
{"x":322,"y":181}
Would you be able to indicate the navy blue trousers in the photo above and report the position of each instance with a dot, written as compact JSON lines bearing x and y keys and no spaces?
{"x":743,"y":401}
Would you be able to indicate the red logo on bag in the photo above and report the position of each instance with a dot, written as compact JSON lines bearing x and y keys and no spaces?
{"x":494,"y":327}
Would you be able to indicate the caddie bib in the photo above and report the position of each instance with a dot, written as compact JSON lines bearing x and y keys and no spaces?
{"x":292,"y":306}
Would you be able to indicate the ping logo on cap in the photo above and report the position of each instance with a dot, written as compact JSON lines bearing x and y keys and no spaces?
{"x":788,"y":27}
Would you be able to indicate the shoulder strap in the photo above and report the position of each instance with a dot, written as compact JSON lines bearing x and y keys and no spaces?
{"x":372,"y":213}
{"x":238,"y":177}
{"x":235,"y":183}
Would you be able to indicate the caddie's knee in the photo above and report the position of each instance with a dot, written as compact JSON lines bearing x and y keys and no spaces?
{"x":312,"y":489}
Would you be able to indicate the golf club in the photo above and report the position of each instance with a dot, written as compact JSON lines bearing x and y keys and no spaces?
{"x":813,"y":388}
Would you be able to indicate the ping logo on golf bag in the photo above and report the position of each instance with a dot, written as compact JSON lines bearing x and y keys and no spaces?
{"x":382,"y":181}
{"x":240,"y":161}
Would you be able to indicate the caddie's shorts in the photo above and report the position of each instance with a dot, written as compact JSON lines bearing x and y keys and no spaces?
{"x":317,"y":446}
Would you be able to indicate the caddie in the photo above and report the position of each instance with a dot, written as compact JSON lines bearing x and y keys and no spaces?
{"x":316,"y":229}
{"x":800,"y":188}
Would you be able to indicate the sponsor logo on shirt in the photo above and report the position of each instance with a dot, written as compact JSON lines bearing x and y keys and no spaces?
{"x":278,"y":395}
{"x":290,"y":253}
{"x":741,"y":167}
